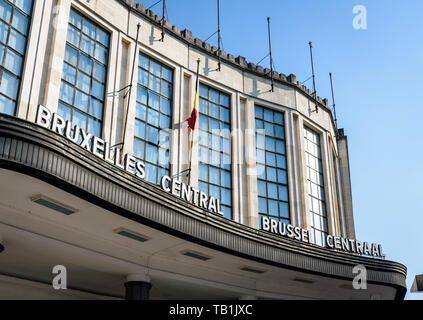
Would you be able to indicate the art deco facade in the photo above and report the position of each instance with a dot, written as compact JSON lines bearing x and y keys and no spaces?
{"x":262,"y":156}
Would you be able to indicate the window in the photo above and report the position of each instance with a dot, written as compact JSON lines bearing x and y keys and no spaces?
{"x":215,"y":174}
{"x":15,"y":16}
{"x":316,"y":188}
{"x":272,"y":180}
{"x":153,"y":117}
{"x":82,"y":91}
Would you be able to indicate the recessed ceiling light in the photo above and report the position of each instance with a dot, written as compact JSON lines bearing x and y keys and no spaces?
{"x":252,"y":270}
{"x":308,"y":281}
{"x":132,"y":235}
{"x":195,"y":255}
{"x":347,"y":286}
{"x":53,"y":204}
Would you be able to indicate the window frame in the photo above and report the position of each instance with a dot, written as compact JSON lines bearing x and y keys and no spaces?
{"x":324,"y":218}
{"x":161,"y":96}
{"x":276,"y":167}
{"x":23,"y":55}
{"x":210,"y":147}
{"x":106,"y":65}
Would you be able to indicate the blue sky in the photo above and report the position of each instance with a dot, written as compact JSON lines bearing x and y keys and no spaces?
{"x":378,"y":79}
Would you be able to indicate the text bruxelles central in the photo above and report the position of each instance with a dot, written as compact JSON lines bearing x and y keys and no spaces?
{"x":132,"y":165}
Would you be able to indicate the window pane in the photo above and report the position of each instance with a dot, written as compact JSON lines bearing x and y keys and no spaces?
{"x":139,"y":129}
{"x":214,"y":175}
{"x":143,"y":62}
{"x":74,"y":18}
{"x":81,"y":101}
{"x":152,"y":135}
{"x":4,"y":30}
{"x":94,"y":127}
{"x":66,"y":93}
{"x":64,"y":111}
{"x":87,"y":45}
{"x":13,"y":62}
{"x":153,"y":117}
{"x":7,"y":106}
{"x":103,"y":37}
{"x":85,"y":63}
{"x":225,"y":197}
{"x":84,"y":82}
{"x":20,"y":22}
{"x":141,"y":112}
{"x":71,"y":55}
{"x":225,"y":179}
{"x":79,"y":119}
{"x":17,"y":41}
{"x":96,"y":108}
{"x":151,"y":153}
{"x":203,"y":172}
{"x":101,"y":53}
{"x":99,"y":72}
{"x":154,"y":101}
{"x":97,"y":90}
{"x":74,"y":36}
{"x":139,"y":148}
{"x":5,"y":11}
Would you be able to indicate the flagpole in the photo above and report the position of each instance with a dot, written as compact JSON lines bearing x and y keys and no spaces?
{"x":192,"y":130}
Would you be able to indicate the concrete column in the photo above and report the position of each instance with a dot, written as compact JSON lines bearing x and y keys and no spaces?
{"x":194,"y":136}
{"x":235,"y":158}
{"x":250,"y":159}
{"x":55,"y":66}
{"x":137,"y":287}
{"x":130,"y":106}
{"x":183,"y":144}
{"x":243,"y":203}
{"x":31,"y":82}
{"x":292,"y":160}
{"x":110,"y":86}
{"x":121,"y":81}
{"x":344,"y":169}
{"x":174,"y":143}
{"x":338,"y":185}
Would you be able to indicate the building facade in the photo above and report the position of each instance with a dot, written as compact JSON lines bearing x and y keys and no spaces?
{"x":101,"y":175}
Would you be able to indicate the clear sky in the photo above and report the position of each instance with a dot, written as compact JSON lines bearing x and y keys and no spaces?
{"x":378,"y":79}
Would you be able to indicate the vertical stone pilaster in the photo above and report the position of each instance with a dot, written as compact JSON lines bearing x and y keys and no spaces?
{"x":31,"y":84}
{"x":55,"y":66}
{"x":250,"y":159}
{"x":110,"y":85}
{"x":344,"y":168}
{"x":130,"y":106}
{"x":235,"y":157}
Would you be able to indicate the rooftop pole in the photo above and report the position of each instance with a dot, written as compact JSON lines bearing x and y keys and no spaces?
{"x":130,"y":85}
{"x":314,"y":77}
{"x":218,"y":36}
{"x":163,"y":20}
{"x":270,"y":53}
{"x":333,"y":99}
